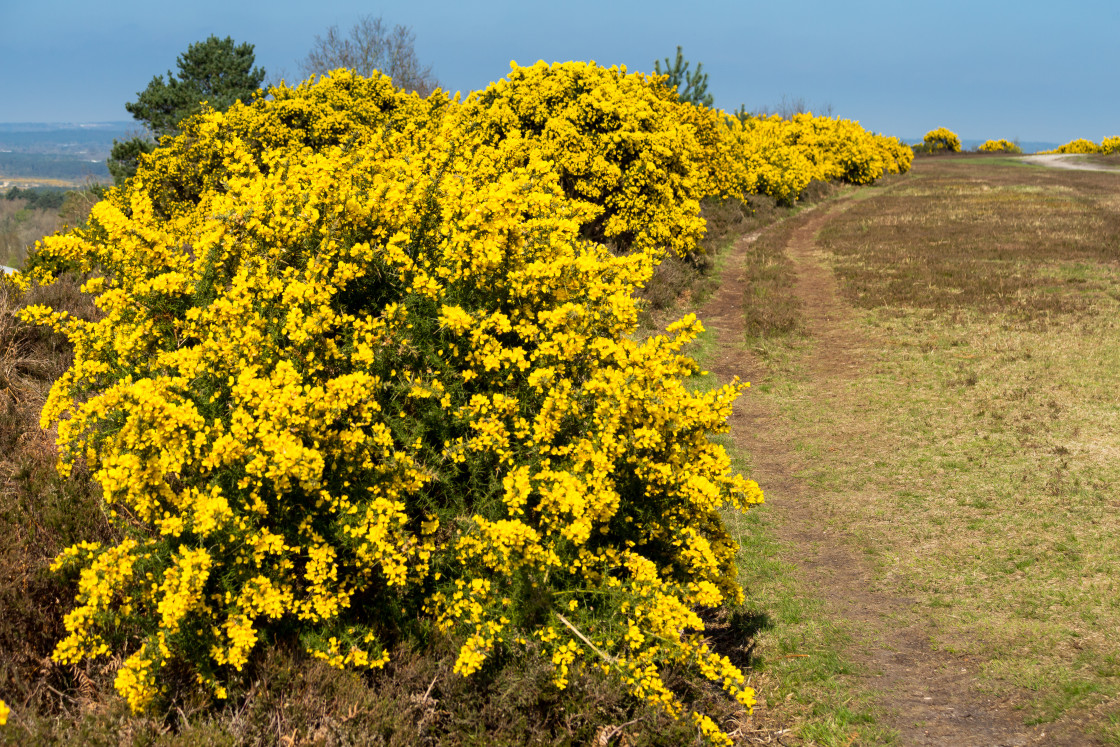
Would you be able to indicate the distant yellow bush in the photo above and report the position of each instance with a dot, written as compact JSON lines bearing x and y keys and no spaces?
{"x":1110,"y":145}
{"x":999,"y":146}
{"x":1080,"y":145}
{"x":942,"y":139}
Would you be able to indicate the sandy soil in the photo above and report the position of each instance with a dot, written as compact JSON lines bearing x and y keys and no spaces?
{"x":1068,"y":161}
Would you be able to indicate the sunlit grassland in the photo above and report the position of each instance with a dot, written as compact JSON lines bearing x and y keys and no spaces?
{"x":797,"y":658}
{"x":808,"y":686}
{"x":976,"y":456}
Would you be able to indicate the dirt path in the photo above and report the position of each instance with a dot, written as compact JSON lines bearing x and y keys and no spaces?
{"x":928,"y":696}
{"x":1068,"y":161}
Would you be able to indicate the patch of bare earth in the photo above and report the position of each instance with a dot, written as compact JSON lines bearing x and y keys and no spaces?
{"x":1066,"y":161}
{"x":928,"y":696}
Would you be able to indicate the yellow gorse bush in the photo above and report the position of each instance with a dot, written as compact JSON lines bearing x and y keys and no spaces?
{"x":999,"y":146}
{"x":1081,"y":145}
{"x":363,"y":359}
{"x":779,"y":157}
{"x":619,"y":142}
{"x":942,"y":139}
{"x":357,"y":366}
{"x":1084,"y":146}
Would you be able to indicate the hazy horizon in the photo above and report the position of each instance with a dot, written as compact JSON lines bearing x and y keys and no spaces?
{"x":984,"y":70}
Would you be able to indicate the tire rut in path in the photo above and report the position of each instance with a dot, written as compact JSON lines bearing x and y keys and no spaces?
{"x":929,"y":697}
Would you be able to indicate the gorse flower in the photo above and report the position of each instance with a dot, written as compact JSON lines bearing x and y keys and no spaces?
{"x":358,"y":363}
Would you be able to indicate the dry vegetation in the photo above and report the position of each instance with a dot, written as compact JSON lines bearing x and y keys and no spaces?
{"x":21,"y":227}
{"x":975,"y":456}
{"x":22,"y":223}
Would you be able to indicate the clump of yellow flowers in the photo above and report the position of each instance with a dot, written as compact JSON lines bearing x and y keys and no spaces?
{"x":1082,"y":145}
{"x":942,"y":139}
{"x":779,"y":157}
{"x":363,"y":358}
{"x":999,"y":146}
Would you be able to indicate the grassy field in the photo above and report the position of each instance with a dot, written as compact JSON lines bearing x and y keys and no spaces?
{"x":974,"y":454}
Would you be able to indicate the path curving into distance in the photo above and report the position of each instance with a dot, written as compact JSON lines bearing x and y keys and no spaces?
{"x":1076,"y":162}
{"x":928,"y":697}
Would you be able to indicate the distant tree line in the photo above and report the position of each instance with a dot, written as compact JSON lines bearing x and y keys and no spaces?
{"x":50,"y":166}
{"x":39,"y":198}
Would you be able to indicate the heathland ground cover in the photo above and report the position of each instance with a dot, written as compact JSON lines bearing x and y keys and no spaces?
{"x":951,"y":417}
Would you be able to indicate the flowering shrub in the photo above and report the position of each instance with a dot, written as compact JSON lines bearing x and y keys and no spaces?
{"x":1110,"y":145}
{"x":942,"y":139}
{"x":763,"y":160}
{"x":779,"y":157}
{"x":999,"y":146}
{"x":617,"y":141}
{"x":356,"y":366}
{"x":344,"y":110}
{"x":1081,"y":145}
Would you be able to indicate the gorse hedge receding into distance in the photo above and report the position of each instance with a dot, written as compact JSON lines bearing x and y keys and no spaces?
{"x":779,"y":157}
{"x":361,"y":372}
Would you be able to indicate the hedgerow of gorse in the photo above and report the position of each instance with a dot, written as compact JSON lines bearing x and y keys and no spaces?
{"x":780,"y":157}
{"x":362,"y":360}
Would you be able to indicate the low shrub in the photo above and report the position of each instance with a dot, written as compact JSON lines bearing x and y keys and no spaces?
{"x":999,"y":146}
{"x":1080,"y":145}
{"x":941,"y":140}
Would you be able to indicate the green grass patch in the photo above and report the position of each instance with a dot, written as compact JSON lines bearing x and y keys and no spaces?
{"x":976,"y":454}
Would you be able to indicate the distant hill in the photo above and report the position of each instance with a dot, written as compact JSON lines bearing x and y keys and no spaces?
{"x":53,"y":166}
{"x":72,"y":152}
{"x":93,"y":140}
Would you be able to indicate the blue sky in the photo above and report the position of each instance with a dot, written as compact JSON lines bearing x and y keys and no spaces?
{"x":1028,"y":70}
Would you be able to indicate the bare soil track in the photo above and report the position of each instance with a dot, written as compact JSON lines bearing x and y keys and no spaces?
{"x":1067,"y":161}
{"x":929,"y":697}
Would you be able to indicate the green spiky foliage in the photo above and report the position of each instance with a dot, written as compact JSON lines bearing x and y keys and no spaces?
{"x":216,"y":72}
{"x":690,"y":87}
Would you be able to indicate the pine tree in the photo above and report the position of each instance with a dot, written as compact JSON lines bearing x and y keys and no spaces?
{"x":216,"y":71}
{"x":691,"y":88}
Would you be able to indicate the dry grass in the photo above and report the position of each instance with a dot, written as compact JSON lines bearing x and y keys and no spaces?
{"x":969,"y":235}
{"x":287,"y":699}
{"x":21,"y":227}
{"x":684,"y":282}
{"x":976,"y":457}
